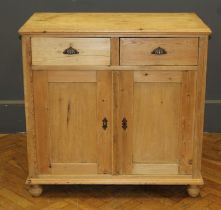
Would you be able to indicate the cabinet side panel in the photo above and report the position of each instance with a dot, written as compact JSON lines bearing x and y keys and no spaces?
{"x":200,"y":106}
{"x":29,"y":106}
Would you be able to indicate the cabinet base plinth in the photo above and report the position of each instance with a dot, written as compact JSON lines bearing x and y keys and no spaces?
{"x":115,"y":180}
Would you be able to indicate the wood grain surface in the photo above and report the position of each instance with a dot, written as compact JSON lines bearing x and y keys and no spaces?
{"x":101,"y":23}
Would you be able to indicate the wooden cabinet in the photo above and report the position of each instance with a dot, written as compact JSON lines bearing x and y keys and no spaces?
{"x":110,"y":99}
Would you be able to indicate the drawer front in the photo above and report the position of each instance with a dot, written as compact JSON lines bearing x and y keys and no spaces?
{"x":70,"y":51}
{"x":159,"y":51}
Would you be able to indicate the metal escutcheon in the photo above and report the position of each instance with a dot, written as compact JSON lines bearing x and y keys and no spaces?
{"x":124,"y":123}
{"x":104,"y":125}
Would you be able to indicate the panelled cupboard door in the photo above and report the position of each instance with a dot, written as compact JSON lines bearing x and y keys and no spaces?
{"x":73,"y":121}
{"x":156,"y":113}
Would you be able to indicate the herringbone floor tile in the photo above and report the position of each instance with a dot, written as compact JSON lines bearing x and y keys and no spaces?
{"x":14,"y":194}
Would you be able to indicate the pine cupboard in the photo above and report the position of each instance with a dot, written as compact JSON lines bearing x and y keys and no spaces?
{"x":114,"y":98}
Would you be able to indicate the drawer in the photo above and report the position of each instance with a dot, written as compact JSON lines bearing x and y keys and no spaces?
{"x":70,"y":51}
{"x":159,"y":51}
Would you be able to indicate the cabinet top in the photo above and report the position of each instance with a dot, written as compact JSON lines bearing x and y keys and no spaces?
{"x":119,"y":23}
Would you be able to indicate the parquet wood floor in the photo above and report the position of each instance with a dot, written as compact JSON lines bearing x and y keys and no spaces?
{"x":14,"y":194}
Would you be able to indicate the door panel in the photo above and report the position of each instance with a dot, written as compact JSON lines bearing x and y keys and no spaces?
{"x":70,"y":107}
{"x":159,"y":108}
{"x":156,"y":122}
{"x":72,"y":120}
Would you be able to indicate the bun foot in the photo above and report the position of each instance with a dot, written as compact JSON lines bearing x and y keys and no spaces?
{"x":35,"y":190}
{"x":193,"y":191}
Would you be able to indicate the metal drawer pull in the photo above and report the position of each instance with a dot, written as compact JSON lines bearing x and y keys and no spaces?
{"x":124,"y":123}
{"x":104,"y":121}
{"x":70,"y":51}
{"x":159,"y":51}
